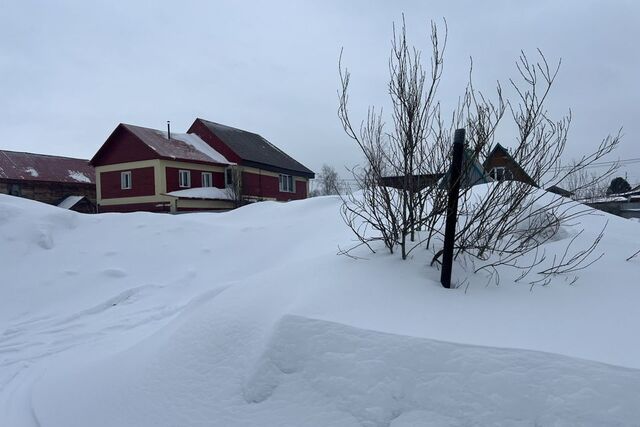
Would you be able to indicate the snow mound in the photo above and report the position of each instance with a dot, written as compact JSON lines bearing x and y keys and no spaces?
{"x":378,"y":378}
{"x":309,"y":372}
{"x":211,"y":193}
{"x":249,"y":318}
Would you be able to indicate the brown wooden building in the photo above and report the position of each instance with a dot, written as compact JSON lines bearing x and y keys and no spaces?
{"x":61,"y":181}
{"x":501,"y":165}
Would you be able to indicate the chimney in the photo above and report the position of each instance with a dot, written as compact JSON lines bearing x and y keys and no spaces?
{"x":169,"y":128}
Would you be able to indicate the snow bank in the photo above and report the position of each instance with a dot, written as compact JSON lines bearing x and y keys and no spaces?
{"x":313,"y":372}
{"x":249,"y":318}
{"x":211,"y":193}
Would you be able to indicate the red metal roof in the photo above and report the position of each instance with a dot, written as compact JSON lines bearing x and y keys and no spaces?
{"x":181,"y":146}
{"x":42,"y":167}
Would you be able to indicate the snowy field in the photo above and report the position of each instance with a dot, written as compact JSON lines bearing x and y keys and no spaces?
{"x":249,"y":318}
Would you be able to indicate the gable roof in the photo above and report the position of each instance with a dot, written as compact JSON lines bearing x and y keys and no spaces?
{"x":472,"y":172}
{"x":559,"y":191}
{"x":181,"y":146}
{"x":500,"y":149}
{"x":42,"y":167}
{"x":254,"y":149}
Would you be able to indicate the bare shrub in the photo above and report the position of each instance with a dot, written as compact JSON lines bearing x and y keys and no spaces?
{"x":507,"y":224}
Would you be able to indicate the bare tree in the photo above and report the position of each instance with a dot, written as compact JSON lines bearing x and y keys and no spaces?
{"x":233,"y":184}
{"x":585,"y":185}
{"x":508,"y":223}
{"x":408,"y":150}
{"x":328,"y":182}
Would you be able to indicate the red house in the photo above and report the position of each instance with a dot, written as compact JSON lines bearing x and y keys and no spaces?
{"x":211,"y":167}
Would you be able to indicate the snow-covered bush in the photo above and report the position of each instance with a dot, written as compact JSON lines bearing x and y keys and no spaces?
{"x":503,"y":225}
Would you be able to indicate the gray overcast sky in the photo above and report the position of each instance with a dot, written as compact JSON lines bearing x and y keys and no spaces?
{"x":70,"y":71}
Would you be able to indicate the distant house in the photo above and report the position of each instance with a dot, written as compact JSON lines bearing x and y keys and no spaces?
{"x":626,"y":205}
{"x":500,"y":165}
{"x":559,"y":191}
{"x":211,"y":167}
{"x":415,"y":182}
{"x":473,"y":174}
{"x":62,"y":181}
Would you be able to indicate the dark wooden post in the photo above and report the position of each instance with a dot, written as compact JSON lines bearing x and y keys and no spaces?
{"x":452,"y":208}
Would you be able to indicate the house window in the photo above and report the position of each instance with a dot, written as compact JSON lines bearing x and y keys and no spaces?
{"x":500,"y":173}
{"x":125,"y":180}
{"x":207,"y":179}
{"x":185,"y":178}
{"x":286,"y":184}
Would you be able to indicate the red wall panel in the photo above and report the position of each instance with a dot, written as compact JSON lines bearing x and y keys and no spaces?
{"x":173,"y":178}
{"x":257,"y":185}
{"x":301,"y":190}
{"x":142,"y":183}
{"x":123,"y":147}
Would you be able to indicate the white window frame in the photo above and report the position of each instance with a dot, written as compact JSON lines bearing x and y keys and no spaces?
{"x":500,"y":173}
{"x":287,"y":184}
{"x":207,"y":179}
{"x":184,"y":182}
{"x":126,"y":183}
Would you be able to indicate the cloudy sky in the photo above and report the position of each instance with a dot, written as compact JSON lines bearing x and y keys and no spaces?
{"x":70,"y":71}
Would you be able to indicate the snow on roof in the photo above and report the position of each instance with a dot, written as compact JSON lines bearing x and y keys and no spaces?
{"x":181,"y":146}
{"x":79,"y":176}
{"x":197,"y":143}
{"x":70,"y":202}
{"x":606,"y":199}
{"x":210,"y":193}
{"x":42,"y":167}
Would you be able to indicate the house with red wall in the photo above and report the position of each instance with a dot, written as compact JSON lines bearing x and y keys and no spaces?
{"x":211,"y":167}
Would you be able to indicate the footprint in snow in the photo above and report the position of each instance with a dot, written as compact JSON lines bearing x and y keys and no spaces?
{"x":115,"y":273}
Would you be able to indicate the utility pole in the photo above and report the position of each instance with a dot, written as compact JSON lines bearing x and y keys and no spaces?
{"x":452,"y":207}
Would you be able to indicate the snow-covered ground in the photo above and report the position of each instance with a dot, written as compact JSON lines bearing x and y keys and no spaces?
{"x":249,"y":318}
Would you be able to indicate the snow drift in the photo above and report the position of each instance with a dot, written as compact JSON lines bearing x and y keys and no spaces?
{"x":249,"y":318}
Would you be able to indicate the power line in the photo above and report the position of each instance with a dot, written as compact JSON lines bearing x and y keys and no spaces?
{"x":621,"y":162}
